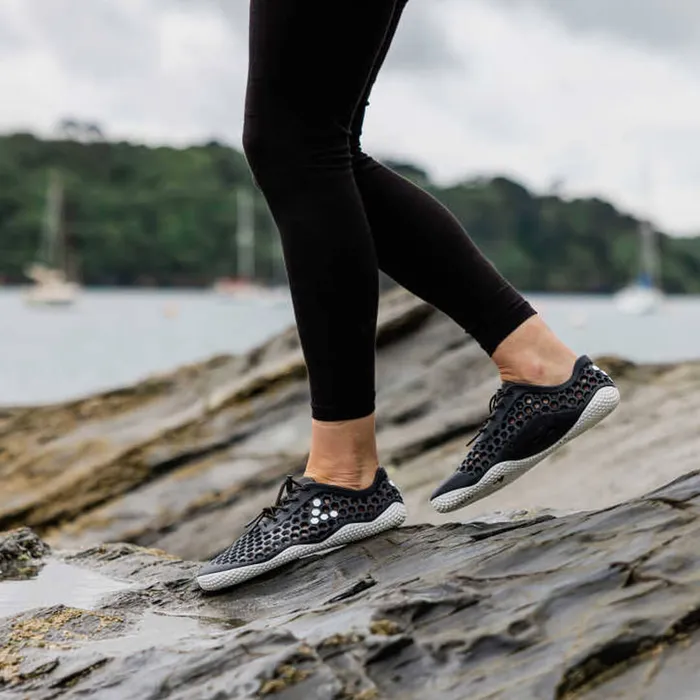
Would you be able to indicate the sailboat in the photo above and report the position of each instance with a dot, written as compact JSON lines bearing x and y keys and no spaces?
{"x":49,"y":273}
{"x":243,"y":285}
{"x":643,"y":296}
{"x":240,"y":285}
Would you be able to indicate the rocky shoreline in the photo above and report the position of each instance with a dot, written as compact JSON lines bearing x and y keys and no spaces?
{"x":592,"y":605}
{"x":599,"y":602}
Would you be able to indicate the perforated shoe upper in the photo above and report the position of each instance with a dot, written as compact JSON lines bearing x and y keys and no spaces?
{"x":308,"y":513}
{"x":526,"y":420}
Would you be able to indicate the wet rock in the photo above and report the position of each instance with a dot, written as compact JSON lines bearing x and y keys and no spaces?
{"x":21,"y":553}
{"x":590,"y":605}
{"x":600,"y":601}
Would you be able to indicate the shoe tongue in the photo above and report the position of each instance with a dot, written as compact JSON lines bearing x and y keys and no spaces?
{"x":305,"y":480}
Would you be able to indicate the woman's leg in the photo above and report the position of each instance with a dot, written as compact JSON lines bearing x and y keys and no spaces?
{"x":422,"y":246}
{"x":310,"y":61}
{"x":548,"y":396}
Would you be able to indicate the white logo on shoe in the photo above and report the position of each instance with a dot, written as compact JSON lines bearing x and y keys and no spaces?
{"x":317,"y":515}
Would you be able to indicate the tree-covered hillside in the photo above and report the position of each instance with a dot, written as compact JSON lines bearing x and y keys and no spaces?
{"x":167,"y":216}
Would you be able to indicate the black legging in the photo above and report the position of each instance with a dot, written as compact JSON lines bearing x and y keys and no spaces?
{"x":342,"y":215}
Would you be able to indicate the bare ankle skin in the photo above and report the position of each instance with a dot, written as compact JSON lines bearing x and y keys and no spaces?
{"x":343,"y":453}
{"x":532,"y":354}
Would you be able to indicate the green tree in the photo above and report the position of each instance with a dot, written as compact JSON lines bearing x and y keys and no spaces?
{"x":168,"y":216}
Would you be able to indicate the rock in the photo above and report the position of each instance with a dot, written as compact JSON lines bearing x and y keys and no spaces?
{"x":587,"y":606}
{"x":161,"y":463}
{"x":21,"y":552}
{"x":183,"y":460}
{"x":513,"y":603}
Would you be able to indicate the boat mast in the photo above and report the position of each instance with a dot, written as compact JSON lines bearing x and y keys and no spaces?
{"x":648,"y":255}
{"x":52,"y":253}
{"x":245,"y":234}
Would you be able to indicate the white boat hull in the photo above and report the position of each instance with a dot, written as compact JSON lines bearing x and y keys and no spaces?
{"x":59,"y":294}
{"x":639,"y":300}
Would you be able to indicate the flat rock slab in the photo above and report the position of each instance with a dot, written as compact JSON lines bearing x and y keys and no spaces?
{"x":593,"y":605}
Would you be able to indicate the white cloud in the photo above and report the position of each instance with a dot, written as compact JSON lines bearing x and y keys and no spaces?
{"x":651,"y":23}
{"x":609,"y":117}
{"x":520,"y":88}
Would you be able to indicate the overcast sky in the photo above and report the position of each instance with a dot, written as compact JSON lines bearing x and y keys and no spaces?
{"x":602,"y":94}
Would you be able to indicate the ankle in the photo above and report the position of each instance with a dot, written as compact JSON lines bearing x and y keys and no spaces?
{"x":347,"y":473}
{"x":534,"y":369}
{"x":343,"y":453}
{"x":532,"y":354}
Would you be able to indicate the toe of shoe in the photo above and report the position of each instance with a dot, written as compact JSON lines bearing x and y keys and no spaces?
{"x":459,"y":480}
{"x":214,"y":567}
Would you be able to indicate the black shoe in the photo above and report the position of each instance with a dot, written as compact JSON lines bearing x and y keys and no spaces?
{"x":307,"y":518}
{"x":527,"y":423}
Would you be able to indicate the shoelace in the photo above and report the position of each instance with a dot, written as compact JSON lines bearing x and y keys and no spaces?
{"x":285,"y":497}
{"x":493,"y":406}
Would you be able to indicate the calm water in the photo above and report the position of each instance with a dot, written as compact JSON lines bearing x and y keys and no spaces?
{"x":110,"y":338}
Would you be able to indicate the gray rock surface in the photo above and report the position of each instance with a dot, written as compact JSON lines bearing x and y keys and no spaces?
{"x":182,"y":461}
{"x":600,"y":602}
{"x":591,"y":605}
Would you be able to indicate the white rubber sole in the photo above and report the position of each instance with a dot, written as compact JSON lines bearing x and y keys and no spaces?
{"x":603,"y":403}
{"x":392,"y":517}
